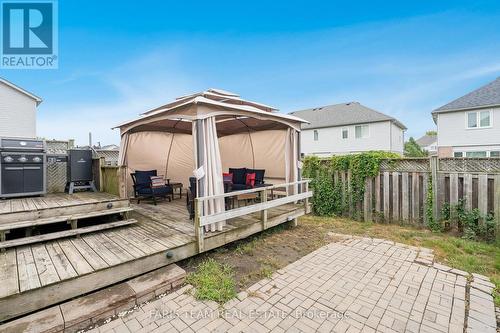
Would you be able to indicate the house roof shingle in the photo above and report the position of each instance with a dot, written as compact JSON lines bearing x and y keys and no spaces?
{"x":426,"y":140}
{"x":487,"y":95}
{"x":342,"y":114}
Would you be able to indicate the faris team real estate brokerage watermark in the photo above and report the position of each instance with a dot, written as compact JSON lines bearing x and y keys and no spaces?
{"x":29,"y":36}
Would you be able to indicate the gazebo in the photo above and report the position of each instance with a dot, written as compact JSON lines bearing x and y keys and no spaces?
{"x":206,"y":133}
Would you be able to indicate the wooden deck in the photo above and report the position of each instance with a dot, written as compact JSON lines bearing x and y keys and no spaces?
{"x":42,"y":274}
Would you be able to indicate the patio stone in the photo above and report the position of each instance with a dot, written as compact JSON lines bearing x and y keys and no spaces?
{"x":355,"y":284}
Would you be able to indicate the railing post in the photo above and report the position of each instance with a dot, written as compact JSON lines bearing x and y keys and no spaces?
{"x":198,"y":229}
{"x":306,"y":200}
{"x":263,"y":213}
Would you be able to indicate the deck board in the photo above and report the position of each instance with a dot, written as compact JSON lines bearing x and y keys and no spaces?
{"x":107,"y":256}
{"x":8,"y":273}
{"x":62,"y":264}
{"x":28,"y":274}
{"x":46,"y":269}
{"x":78,"y":261}
{"x":93,"y":259}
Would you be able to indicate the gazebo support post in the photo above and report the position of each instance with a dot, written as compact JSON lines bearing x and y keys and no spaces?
{"x":198,"y":230}
{"x":200,"y":186}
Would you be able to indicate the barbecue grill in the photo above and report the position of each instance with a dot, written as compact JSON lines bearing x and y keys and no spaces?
{"x":22,"y":167}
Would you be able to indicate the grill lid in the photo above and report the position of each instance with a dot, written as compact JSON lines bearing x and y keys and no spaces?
{"x":16,"y":144}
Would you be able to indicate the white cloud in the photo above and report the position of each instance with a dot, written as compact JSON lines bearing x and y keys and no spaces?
{"x":141,"y":84}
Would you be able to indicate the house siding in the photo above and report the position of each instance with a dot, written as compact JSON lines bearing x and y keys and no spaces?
{"x":453,"y":134}
{"x":382,"y":136}
{"x":17,"y":113}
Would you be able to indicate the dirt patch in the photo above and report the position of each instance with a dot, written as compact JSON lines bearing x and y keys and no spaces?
{"x":257,"y":257}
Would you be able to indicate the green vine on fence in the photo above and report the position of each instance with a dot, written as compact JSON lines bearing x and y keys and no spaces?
{"x":432,"y":223}
{"x":328,"y":198}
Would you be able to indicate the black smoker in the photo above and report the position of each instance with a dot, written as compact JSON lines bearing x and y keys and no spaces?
{"x":22,"y":167}
{"x":79,"y":174}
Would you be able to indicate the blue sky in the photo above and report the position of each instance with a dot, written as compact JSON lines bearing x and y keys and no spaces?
{"x":403,"y":58}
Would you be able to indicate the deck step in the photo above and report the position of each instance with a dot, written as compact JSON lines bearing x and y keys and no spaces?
{"x":62,"y":234}
{"x":64,"y":218}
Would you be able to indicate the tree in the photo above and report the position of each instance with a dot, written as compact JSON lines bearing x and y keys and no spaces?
{"x":412,"y":149}
{"x":431,"y":133}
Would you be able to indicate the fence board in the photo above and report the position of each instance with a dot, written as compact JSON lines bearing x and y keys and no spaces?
{"x":405,"y":203}
{"x":386,"y":196}
{"x":468,"y":190}
{"x":415,"y":212}
{"x":482,"y":198}
{"x":425,"y":189}
{"x":453,"y":189}
{"x":497,"y":205}
{"x":367,"y":208}
{"x":395,"y":196}
{"x":377,"y":193}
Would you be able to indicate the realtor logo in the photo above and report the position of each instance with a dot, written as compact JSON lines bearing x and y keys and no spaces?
{"x":29,"y":34}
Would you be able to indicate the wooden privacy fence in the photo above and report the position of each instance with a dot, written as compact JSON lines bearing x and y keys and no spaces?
{"x":399,"y":192}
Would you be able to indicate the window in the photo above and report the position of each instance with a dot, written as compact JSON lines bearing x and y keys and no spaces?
{"x":495,"y":153}
{"x":458,"y":154}
{"x":475,"y":154}
{"x":345,"y":133}
{"x":484,"y":119}
{"x":478,"y":119}
{"x":361,"y":131}
{"x":315,"y":135}
{"x":472,"y":119}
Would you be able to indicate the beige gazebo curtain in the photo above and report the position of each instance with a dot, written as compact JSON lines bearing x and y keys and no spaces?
{"x":208,"y":159}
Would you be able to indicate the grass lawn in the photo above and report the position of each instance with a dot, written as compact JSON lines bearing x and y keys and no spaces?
{"x":258,"y":257}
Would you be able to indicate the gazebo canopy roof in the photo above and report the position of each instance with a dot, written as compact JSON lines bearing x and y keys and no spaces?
{"x":233,"y":115}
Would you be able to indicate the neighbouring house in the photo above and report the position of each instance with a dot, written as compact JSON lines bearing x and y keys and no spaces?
{"x":428,"y":143}
{"x":349,"y":128}
{"x":470,"y":125}
{"x":17,"y":111}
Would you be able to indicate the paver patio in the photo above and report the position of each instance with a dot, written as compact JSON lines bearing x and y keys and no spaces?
{"x":351,"y":285}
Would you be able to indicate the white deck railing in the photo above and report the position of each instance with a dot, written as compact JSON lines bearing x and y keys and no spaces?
{"x":201,"y":220}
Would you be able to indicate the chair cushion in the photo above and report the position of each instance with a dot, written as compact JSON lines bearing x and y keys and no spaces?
{"x":259,"y":175}
{"x":239,"y":187}
{"x":164,"y":190}
{"x":250,"y":179}
{"x":227,"y":177}
{"x":238,"y":175}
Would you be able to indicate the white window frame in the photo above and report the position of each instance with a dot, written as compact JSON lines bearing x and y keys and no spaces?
{"x":478,"y":119}
{"x":367,"y":132}
{"x":315,"y":135}
{"x":342,"y":133}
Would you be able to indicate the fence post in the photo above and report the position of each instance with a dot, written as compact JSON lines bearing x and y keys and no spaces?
{"x":198,"y":229}
{"x":122,"y":181}
{"x":102,"y":162}
{"x":434,"y":182}
{"x":263,"y":213}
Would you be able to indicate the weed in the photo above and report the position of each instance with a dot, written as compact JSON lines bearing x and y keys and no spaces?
{"x":213,"y":281}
